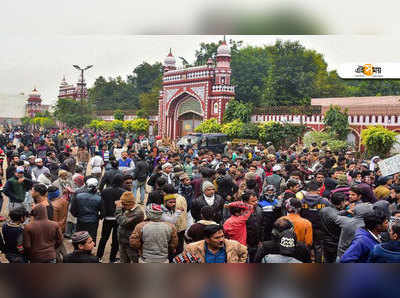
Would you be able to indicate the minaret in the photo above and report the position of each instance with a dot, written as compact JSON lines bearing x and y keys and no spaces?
{"x":169,"y":62}
{"x":223,"y":64}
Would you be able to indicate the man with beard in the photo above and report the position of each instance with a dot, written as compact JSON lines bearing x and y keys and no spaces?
{"x":270,"y":210}
{"x":16,"y":187}
{"x":39,"y":169}
{"x":125,"y":164}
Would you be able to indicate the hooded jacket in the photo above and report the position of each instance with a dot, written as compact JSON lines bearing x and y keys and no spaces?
{"x":360,"y":248}
{"x":388,"y":252}
{"x":153,"y":238}
{"x":311,"y":206}
{"x":127,"y":221}
{"x":351,"y":225}
{"x":41,"y":236}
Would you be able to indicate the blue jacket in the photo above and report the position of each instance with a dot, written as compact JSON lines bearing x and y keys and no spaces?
{"x":388,"y":252}
{"x":86,"y":207}
{"x":359,"y":250}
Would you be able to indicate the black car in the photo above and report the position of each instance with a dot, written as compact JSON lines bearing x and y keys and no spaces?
{"x":211,"y":141}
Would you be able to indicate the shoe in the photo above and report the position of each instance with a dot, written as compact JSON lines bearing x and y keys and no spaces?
{"x":116,"y":261}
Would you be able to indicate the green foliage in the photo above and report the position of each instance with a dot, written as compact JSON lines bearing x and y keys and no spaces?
{"x":237,"y":110}
{"x":378,"y":140}
{"x":233,"y":129}
{"x":118,"y":93}
{"x":119,"y":115}
{"x":337,"y":122}
{"x":142,"y":114}
{"x":209,"y":126}
{"x":209,"y":50}
{"x":279,"y":134}
{"x":149,"y":100}
{"x":73,"y":113}
{"x":44,"y":122}
{"x":249,"y":131}
{"x":139,"y":125}
{"x":25,"y":121}
{"x":319,"y":137}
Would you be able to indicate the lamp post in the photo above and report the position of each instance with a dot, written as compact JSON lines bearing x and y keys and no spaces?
{"x":82,"y":70}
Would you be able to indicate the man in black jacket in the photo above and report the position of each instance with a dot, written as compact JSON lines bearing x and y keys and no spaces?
{"x":208,"y":198}
{"x":83,"y":245}
{"x":272,"y":247}
{"x":109,"y":175}
{"x":108,"y":198}
{"x":140,"y":177}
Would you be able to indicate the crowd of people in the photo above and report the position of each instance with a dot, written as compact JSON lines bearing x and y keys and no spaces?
{"x":164,"y":203}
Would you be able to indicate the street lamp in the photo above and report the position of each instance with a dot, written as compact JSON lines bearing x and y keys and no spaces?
{"x":82,"y":70}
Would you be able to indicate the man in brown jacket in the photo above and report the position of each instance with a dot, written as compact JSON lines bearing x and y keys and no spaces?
{"x":216,"y":249}
{"x":154,"y":238}
{"x":41,"y":237}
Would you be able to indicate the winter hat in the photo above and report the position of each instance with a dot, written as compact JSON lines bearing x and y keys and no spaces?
{"x":206,"y":184}
{"x":79,"y":180}
{"x":20,"y":169}
{"x":184,"y":176}
{"x":276,"y":168}
{"x":80,"y":236}
{"x":342,"y":179}
{"x":53,"y":193}
{"x":169,"y":197}
{"x":166,"y":165}
{"x":250,"y":176}
{"x":153,"y":211}
{"x":127,"y":198}
{"x":287,"y":243}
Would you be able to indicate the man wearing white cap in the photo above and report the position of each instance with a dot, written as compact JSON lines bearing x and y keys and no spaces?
{"x":167,"y":172}
{"x":39,"y":169}
{"x":86,"y":208}
{"x":276,"y":179}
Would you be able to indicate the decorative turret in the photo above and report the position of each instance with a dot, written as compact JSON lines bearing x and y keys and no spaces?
{"x":169,"y":62}
{"x":34,"y":103}
{"x":223,"y":65}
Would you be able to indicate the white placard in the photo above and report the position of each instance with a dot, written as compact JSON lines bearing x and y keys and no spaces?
{"x":390,"y":166}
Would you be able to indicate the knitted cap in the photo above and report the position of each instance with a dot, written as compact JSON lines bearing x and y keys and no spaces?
{"x":169,"y":197}
{"x":127,"y":198}
{"x":207,"y":184}
{"x":166,"y":165}
{"x":79,"y":237}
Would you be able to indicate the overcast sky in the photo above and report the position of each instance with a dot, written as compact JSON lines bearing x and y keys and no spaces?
{"x":42,"y":60}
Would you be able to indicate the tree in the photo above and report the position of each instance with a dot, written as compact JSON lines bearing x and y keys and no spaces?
{"x":237,"y":110}
{"x":378,"y":140}
{"x":119,"y":115}
{"x":140,"y":126}
{"x":73,"y":113}
{"x":142,"y":114}
{"x":209,"y":126}
{"x":209,"y":50}
{"x":149,"y":100}
{"x":319,"y":137}
{"x":279,"y":134}
{"x":292,"y":75}
{"x":249,"y":131}
{"x":337,"y":122}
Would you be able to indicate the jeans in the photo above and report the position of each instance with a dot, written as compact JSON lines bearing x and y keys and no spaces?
{"x":28,"y":203}
{"x":108,"y":226}
{"x":142,"y":189}
{"x":70,"y":229}
{"x":90,"y":227}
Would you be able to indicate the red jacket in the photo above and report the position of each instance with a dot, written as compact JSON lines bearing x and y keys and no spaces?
{"x":235,"y":226}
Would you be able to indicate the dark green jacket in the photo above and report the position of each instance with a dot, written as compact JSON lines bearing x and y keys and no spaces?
{"x":16,"y":191}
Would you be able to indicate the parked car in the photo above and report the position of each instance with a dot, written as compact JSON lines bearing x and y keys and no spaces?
{"x":215,"y":142}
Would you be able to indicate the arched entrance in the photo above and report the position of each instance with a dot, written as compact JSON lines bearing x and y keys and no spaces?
{"x":186,"y":113}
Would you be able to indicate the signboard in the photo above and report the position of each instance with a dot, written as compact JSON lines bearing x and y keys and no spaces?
{"x":390,"y":166}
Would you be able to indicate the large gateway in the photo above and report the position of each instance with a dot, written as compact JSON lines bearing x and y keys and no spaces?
{"x":194,"y":94}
